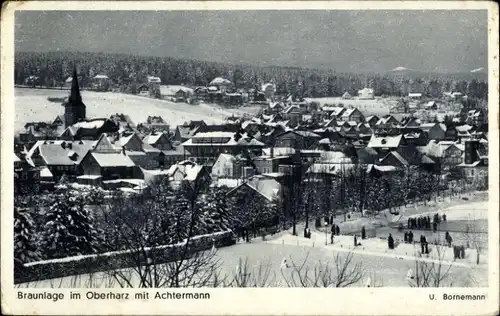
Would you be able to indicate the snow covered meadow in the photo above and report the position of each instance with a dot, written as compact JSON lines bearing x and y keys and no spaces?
{"x":381,"y":267}
{"x":33,"y":105}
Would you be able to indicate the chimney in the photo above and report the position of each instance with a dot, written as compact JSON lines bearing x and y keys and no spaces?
{"x":272,"y":151}
{"x":471,"y":151}
{"x":123,"y":150}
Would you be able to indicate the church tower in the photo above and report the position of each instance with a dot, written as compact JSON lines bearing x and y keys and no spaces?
{"x":74,"y":109}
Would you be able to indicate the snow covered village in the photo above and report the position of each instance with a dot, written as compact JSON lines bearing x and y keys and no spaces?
{"x":151,"y":172}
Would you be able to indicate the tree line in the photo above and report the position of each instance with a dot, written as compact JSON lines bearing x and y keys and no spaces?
{"x":126,"y":71}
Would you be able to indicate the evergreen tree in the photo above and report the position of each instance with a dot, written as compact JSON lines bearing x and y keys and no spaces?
{"x":69,"y":229}
{"x":25,"y":246}
{"x":182,"y":217}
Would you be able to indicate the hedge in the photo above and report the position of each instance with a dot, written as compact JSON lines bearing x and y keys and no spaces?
{"x":56,"y":268}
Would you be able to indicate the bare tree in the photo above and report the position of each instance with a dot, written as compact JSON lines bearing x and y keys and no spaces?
{"x":430,"y":273}
{"x":342,"y":272}
{"x":473,"y":237}
{"x":245,"y":276}
{"x":157,"y":230}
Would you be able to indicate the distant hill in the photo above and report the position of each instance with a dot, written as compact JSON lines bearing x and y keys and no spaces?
{"x":478,"y":74}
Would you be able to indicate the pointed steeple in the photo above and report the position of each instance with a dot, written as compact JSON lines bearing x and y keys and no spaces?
{"x":75,"y":88}
{"x":74,"y":108}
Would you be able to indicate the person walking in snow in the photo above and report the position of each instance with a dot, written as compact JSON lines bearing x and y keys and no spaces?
{"x":355,"y":241}
{"x":406,"y":237}
{"x":448,"y":239}
{"x":410,"y":237}
{"x":284,"y":263}
{"x":422,"y":243}
{"x":368,"y":282}
{"x":390,"y":242}
{"x":409,"y":274}
{"x":337,"y":230}
{"x":409,"y":223}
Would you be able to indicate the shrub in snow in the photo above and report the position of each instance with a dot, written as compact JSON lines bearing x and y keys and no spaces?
{"x":69,"y":228}
{"x":25,"y":247}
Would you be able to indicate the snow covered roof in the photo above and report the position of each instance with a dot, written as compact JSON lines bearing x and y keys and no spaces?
{"x":189,"y":170}
{"x":337,"y":157}
{"x":329,"y":168}
{"x":154,"y":79}
{"x":365,"y":90}
{"x":325,"y":141}
{"x":414,"y":94}
{"x":386,"y":119}
{"x":152,"y":138}
{"x":90,"y":177}
{"x":221,"y":138}
{"x":224,"y":182}
{"x":55,"y":153}
{"x":45,"y":173}
{"x":268,"y":87}
{"x":463,"y":128}
{"x":123,"y":140}
{"x":269,"y":188}
{"x":382,"y":168}
{"x":397,"y":156}
{"x":334,"y":110}
{"x":219,"y":81}
{"x":101,"y":77}
{"x":348,"y":112}
{"x":171,"y":90}
{"x":91,"y":124}
{"x":290,"y":108}
{"x":279,"y":151}
{"x":307,"y":134}
{"x":112,"y":160}
{"x":385,"y":141}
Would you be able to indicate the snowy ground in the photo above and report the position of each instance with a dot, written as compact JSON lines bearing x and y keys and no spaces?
{"x":33,"y":105}
{"x":383,"y":266}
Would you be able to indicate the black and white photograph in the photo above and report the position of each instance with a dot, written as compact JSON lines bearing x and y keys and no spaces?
{"x":251,"y":149}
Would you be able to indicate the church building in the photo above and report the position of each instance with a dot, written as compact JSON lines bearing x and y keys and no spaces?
{"x":74,"y":108}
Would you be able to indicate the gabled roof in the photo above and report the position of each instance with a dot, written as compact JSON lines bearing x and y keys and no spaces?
{"x":385,"y":141}
{"x":59,"y":152}
{"x":334,"y":110}
{"x":112,"y":159}
{"x":349,"y":112}
{"x":219,"y":81}
{"x":153,"y":138}
{"x":290,"y":108}
{"x":400,"y":158}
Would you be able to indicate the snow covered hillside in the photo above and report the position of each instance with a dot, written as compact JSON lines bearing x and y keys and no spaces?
{"x":33,"y":105}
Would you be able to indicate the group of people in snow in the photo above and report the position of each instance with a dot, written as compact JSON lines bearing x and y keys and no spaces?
{"x":424,"y":222}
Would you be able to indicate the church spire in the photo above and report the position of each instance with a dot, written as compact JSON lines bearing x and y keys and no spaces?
{"x":74,"y":108}
{"x":75,"y":89}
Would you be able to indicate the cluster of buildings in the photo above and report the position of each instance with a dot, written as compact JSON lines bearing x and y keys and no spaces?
{"x":253,"y":153}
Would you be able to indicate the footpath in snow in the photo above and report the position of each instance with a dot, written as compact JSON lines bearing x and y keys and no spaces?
{"x":455,"y":209}
{"x":378,"y":247}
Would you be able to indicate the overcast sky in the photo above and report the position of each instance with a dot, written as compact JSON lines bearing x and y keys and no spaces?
{"x":358,"y":41}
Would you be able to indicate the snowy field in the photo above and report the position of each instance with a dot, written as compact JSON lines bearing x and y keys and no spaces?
{"x":387,"y":271}
{"x":379,"y":107}
{"x":33,"y":105}
{"x":382,"y":266}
